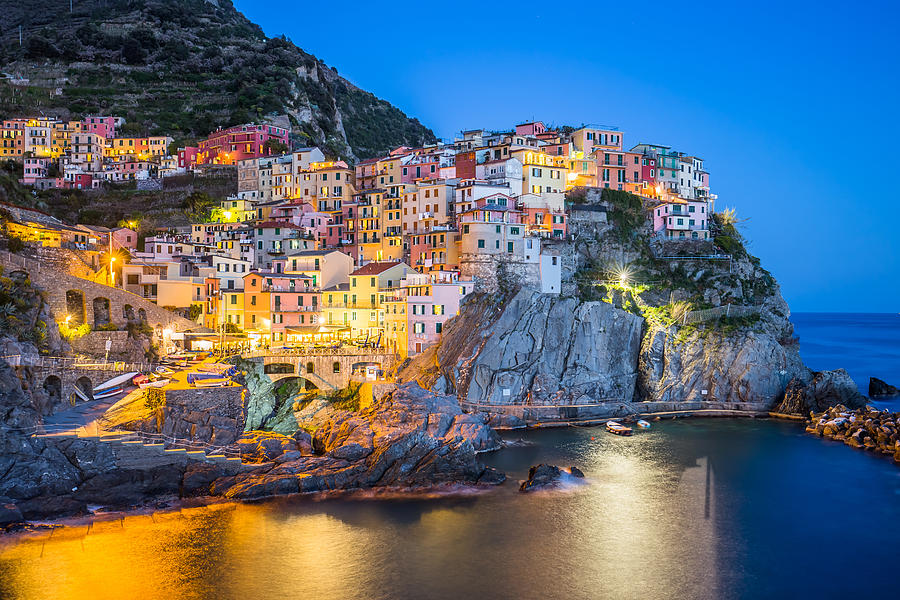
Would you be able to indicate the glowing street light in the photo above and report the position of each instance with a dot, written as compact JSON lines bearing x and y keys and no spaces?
{"x":624,"y":276}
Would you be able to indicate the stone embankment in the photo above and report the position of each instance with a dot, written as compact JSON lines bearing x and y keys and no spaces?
{"x":866,"y":428}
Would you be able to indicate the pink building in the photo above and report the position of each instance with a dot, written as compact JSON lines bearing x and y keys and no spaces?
{"x":421,"y":167}
{"x":35,"y":168}
{"x":431,"y":300}
{"x":125,"y":238}
{"x":535,"y":128}
{"x":682,"y":219}
{"x":294,"y":302}
{"x":187,"y":157}
{"x":227,"y":146}
{"x":103,"y":126}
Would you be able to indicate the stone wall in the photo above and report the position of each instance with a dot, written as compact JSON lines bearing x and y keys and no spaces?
{"x":56,"y":284}
{"x":211,"y":415}
{"x":493,"y":273}
{"x":94,"y":343}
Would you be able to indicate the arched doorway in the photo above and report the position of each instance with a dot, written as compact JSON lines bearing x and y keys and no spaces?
{"x":101,"y":312}
{"x":84,"y":385}
{"x":75,"y":307}
{"x":53,"y":388}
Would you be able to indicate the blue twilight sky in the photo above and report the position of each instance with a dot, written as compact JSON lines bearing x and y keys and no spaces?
{"x":793,"y":105}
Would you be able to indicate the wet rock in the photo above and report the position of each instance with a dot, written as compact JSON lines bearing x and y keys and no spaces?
{"x":880,"y":389}
{"x":504,"y":421}
{"x":576,"y":472}
{"x":826,"y":389}
{"x":264,"y":446}
{"x":198,"y":478}
{"x":541,"y":476}
{"x":408,"y":438}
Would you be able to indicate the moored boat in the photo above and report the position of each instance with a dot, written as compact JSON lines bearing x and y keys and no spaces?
{"x":642,"y":424}
{"x":617,"y":428}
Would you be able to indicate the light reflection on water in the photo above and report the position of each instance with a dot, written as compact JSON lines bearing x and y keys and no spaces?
{"x":692,"y":509}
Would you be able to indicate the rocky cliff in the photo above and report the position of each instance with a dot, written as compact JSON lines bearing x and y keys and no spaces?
{"x":639,"y":320}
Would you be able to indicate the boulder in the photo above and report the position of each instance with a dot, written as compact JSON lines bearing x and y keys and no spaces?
{"x":880,"y":389}
{"x":826,"y":389}
{"x":576,"y":472}
{"x":540,"y":477}
{"x":264,"y":446}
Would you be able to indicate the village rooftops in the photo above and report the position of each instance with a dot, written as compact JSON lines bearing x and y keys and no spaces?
{"x":323,"y":252}
{"x":279,"y":224}
{"x":375,"y":268}
{"x":341,"y":287}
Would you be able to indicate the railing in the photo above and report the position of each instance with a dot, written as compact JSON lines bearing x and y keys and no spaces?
{"x":59,"y":362}
{"x":231,"y":450}
{"x":62,"y":429}
{"x":729,"y":310}
{"x":331,"y":351}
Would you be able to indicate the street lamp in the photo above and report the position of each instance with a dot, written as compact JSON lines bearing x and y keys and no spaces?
{"x":112,"y":274}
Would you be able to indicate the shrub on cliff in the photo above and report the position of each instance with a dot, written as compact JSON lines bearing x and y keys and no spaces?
{"x":154,"y":398}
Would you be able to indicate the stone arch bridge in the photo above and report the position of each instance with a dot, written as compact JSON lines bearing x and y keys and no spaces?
{"x":325,"y":369}
{"x":85,"y":301}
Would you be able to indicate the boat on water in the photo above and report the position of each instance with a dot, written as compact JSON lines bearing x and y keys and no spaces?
{"x":115,"y":382}
{"x":642,"y":424}
{"x":617,"y":428}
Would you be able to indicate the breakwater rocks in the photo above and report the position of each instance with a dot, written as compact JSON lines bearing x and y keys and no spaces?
{"x":867,"y":428}
{"x":410,"y":438}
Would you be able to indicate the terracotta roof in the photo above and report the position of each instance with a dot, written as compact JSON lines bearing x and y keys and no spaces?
{"x":375,"y":268}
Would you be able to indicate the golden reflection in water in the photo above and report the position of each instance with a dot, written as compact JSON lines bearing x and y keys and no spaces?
{"x":642,"y":522}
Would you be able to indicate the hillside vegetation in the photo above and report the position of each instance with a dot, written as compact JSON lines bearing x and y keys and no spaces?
{"x":183,"y":68}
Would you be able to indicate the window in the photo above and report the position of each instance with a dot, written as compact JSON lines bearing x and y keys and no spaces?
{"x":438,"y":327}
{"x":335,"y":367}
{"x":514,"y":230}
{"x":481,"y":243}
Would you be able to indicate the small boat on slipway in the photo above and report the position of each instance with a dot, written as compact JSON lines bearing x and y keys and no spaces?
{"x":117,"y":382}
{"x":617,"y":428}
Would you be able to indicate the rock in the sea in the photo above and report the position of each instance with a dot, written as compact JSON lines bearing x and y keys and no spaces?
{"x":880,"y":389}
{"x":541,"y":476}
{"x":827,"y":389}
{"x":576,"y":472}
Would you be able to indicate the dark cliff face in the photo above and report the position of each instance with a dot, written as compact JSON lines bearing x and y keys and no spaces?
{"x":183,"y":68}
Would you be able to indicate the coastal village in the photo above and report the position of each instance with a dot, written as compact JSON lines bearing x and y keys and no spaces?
{"x":310,"y":251}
